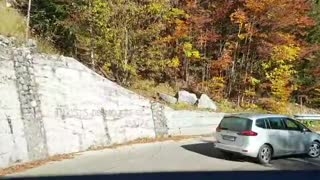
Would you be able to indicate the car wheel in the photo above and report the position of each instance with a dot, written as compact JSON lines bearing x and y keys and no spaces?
{"x":314,"y":149}
{"x":265,"y":154}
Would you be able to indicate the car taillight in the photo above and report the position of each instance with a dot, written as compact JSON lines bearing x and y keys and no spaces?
{"x":218,"y":129}
{"x":248,"y":133}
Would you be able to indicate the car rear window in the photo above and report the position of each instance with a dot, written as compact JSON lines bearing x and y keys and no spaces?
{"x":235,"y":124}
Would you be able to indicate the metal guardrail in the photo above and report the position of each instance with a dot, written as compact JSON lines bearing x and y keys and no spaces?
{"x":308,"y":117}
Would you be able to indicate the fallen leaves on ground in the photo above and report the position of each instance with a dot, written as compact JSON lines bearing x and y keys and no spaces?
{"x":34,"y":164}
{"x":38,"y":163}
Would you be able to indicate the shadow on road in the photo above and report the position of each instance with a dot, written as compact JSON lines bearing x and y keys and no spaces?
{"x":297,"y":162}
{"x":207,"y":149}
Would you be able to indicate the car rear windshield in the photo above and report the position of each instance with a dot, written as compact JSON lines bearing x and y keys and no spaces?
{"x":235,"y":124}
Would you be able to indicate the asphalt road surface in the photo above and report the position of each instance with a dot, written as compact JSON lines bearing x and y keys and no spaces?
{"x":183,"y":156}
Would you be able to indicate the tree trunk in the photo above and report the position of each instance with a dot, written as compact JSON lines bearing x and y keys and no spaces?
{"x":28,"y":21}
{"x":232,"y":75}
{"x":126,"y":49}
{"x":187,"y":71}
{"x":203,"y":76}
{"x":92,"y":56}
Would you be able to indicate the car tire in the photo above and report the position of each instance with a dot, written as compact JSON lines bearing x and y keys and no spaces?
{"x":314,"y":150}
{"x":265,"y":154}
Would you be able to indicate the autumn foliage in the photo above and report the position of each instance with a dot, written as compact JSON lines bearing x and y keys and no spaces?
{"x":243,"y":50}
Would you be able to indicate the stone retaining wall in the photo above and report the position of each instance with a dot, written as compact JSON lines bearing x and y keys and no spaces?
{"x":13,"y":144}
{"x":30,"y":104}
{"x":53,"y":105}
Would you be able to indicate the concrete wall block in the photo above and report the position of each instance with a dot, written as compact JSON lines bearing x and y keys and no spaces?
{"x":78,"y":95}
{"x":32,"y":121}
{"x":7,"y":149}
{"x":160,"y":121}
{"x":191,"y":122}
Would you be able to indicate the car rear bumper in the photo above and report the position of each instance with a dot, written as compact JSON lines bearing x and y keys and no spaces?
{"x":246,"y":151}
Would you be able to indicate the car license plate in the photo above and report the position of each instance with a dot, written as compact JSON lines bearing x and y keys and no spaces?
{"x":229,"y":138}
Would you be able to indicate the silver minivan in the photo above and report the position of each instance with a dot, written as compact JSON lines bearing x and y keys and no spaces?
{"x":264,"y":136}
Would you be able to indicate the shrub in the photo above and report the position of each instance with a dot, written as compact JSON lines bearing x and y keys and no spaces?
{"x":144,"y":87}
{"x":315,"y":102}
{"x":167,"y":89}
{"x":227,"y":106}
{"x":272,"y":106}
{"x":46,"y":46}
{"x":214,"y":88}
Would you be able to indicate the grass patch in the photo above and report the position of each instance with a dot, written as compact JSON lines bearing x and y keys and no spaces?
{"x":12,"y":23}
{"x":45,"y":46}
{"x":183,"y":106}
{"x":294,"y":109}
{"x":149,"y":88}
{"x":289,"y":109}
{"x":230,"y":107}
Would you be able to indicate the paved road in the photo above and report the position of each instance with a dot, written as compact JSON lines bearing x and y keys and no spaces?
{"x":187,"y":155}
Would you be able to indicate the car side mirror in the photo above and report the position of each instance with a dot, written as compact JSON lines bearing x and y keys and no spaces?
{"x":304,"y":130}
